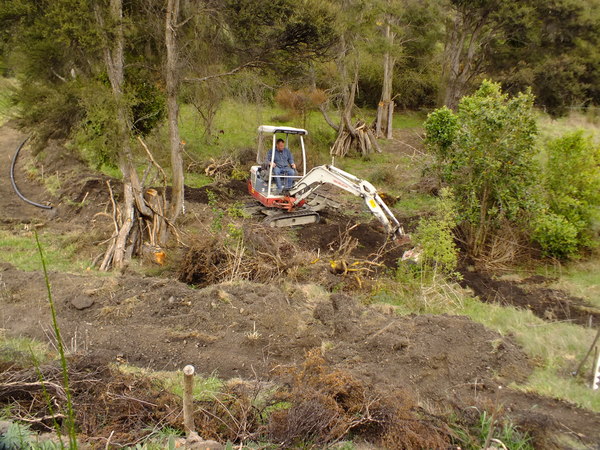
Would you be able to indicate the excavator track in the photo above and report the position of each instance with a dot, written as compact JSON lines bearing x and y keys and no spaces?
{"x":319,"y":202}
{"x":281,"y":220}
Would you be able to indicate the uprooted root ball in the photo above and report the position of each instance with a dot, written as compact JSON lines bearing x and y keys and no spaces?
{"x":203,"y":263}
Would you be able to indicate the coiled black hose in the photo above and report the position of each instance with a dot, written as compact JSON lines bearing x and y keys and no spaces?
{"x":14,"y":184}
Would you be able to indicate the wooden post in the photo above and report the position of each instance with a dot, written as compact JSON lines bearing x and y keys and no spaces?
{"x":596,"y":370}
{"x":389,"y":127}
{"x":188,"y":399}
{"x":587,"y":354}
{"x":379,"y":119}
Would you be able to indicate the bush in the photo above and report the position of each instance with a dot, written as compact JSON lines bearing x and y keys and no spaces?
{"x":485,"y":152}
{"x":52,"y":111}
{"x":440,"y":131}
{"x":98,"y":133}
{"x":572,"y":184}
{"x":435,"y":236}
{"x":555,"y":235}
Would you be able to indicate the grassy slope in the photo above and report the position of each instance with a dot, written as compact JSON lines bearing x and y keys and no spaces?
{"x":19,"y":249}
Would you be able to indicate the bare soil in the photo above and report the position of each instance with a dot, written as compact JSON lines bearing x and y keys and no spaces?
{"x":252,"y":330}
{"x":531,"y":293}
{"x":14,"y":209}
{"x":248,"y":330}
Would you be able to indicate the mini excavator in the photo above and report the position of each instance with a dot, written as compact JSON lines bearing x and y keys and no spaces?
{"x":300,"y":205}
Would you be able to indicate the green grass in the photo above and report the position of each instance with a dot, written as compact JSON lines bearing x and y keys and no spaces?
{"x":555,"y":347}
{"x":413,"y":204}
{"x":19,"y":249}
{"x":554,"y":128}
{"x":239,"y":121}
{"x":409,"y":119}
{"x":23,"y":351}
{"x":204,"y":387}
{"x":578,"y":278}
{"x":583,"y":280}
{"x":197,"y":180}
{"x":235,"y":127}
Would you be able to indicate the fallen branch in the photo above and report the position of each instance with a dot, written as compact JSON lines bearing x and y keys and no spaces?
{"x":219,"y":75}
{"x":8,"y":390}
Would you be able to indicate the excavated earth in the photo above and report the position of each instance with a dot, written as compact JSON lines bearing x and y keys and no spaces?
{"x":532,"y":293}
{"x":249,"y":330}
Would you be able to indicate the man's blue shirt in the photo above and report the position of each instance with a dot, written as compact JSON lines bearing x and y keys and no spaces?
{"x":282,"y":159}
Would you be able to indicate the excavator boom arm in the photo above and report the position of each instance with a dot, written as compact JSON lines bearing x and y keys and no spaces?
{"x":321,"y":175}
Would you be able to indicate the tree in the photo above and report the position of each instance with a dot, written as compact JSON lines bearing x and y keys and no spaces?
{"x":352,"y":16}
{"x":385,"y":108}
{"x":471,"y":25}
{"x":393,"y":36}
{"x":127,"y":235}
{"x":172,"y":82}
{"x":416,"y":51}
{"x":551,"y":46}
{"x":485,"y":152}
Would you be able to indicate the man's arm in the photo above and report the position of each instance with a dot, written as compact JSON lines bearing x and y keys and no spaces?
{"x":291,"y":159}
{"x":269,"y":156}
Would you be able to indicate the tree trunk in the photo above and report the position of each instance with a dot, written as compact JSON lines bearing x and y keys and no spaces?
{"x":385,"y":108}
{"x":114,"y":63}
{"x":172,"y":81}
{"x":466,"y":34}
{"x":350,"y":136}
{"x":129,"y":229}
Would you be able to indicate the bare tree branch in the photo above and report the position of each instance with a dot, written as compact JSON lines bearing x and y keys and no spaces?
{"x":224,"y":74}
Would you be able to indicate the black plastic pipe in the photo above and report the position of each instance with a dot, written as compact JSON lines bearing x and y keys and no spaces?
{"x":14,"y":184}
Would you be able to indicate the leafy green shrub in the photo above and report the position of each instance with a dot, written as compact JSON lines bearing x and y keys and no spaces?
{"x":435,"y":237}
{"x":485,"y":152}
{"x":555,"y":235}
{"x":98,"y":134}
{"x":440,"y":129}
{"x":52,"y":111}
{"x":572,"y":184}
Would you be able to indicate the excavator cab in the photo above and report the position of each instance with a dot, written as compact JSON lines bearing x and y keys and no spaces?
{"x":262,"y":184}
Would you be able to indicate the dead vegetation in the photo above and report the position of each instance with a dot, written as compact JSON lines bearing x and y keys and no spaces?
{"x":311,"y":405}
{"x":220,"y":168}
{"x":107,"y":402}
{"x":255,"y":254}
{"x":318,"y":406}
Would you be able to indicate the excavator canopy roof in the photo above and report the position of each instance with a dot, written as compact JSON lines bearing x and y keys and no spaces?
{"x":281,"y":129}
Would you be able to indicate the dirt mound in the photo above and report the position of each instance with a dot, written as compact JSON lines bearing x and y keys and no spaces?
{"x":223,"y":191}
{"x":548,"y":304}
{"x":245,"y":329}
{"x":331,"y":235}
{"x":238,"y":328}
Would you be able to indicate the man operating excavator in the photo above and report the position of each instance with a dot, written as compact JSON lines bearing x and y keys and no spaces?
{"x":283,"y":164}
